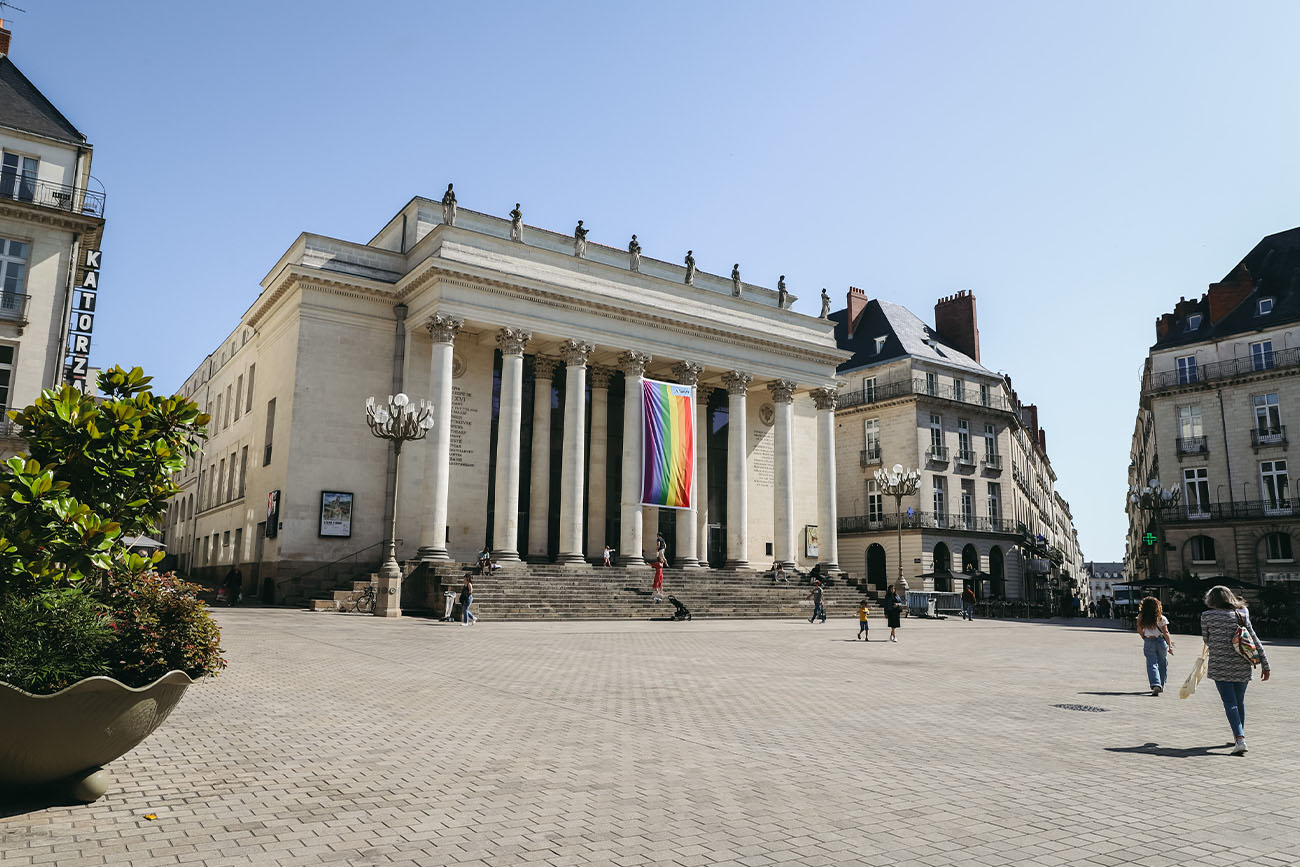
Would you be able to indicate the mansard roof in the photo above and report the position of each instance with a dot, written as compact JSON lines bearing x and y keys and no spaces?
{"x":905,"y":335}
{"x":23,"y":107}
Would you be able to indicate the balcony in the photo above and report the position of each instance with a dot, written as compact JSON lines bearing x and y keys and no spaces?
{"x":966,"y":456}
{"x":13,"y":308}
{"x":937,"y":455}
{"x":1192,"y":446}
{"x":1252,"y":510}
{"x":1219,"y":370}
{"x":993,"y":463}
{"x":918,"y":386}
{"x":848,"y":524}
{"x":47,"y":194}
{"x":1270,"y":436}
{"x":869,"y":456}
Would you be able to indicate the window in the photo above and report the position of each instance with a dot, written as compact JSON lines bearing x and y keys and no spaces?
{"x":1186,"y":369}
{"x":239,"y":541}
{"x":1278,"y":547}
{"x":225,"y":539}
{"x":230,"y":484}
{"x":968,"y":503}
{"x":239,"y":398}
{"x":6,"y":371}
{"x":217,"y":482}
{"x":875,"y":503}
{"x":869,"y":389}
{"x":216,"y":418}
{"x":936,"y":437}
{"x":248,"y":407}
{"x":1189,"y":422}
{"x":18,"y":177}
{"x":872,"y":426}
{"x":1268,"y":417}
{"x":990,"y":443}
{"x":1196,"y":484}
{"x":1263,"y":306}
{"x":958,"y":389}
{"x":226,"y":424}
{"x":880,"y":345}
{"x":1273,"y":483}
{"x":940,"y":498}
{"x":995,"y":502}
{"x":963,"y":437}
{"x":243,"y":469}
{"x":931,"y":384}
{"x":984,"y":395}
{"x":1261,"y":355}
{"x":1202,"y":549}
{"x":13,"y":263}
{"x":270,"y":431}
{"x":1193,"y":322}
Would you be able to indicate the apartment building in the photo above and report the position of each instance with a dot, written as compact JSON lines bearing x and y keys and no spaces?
{"x":1218,"y":387}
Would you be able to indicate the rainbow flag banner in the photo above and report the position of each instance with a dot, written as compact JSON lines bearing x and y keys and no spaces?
{"x":668,"y":463}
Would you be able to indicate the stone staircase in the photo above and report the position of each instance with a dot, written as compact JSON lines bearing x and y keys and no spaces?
{"x":554,"y":592}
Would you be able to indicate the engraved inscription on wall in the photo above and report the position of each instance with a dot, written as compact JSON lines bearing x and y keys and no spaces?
{"x":762,"y":468}
{"x":463,"y":417}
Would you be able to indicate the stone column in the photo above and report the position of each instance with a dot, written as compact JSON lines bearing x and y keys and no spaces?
{"x":437,"y":476}
{"x":539,"y":508}
{"x":572,"y":475}
{"x":688,"y":373}
{"x":630,"y":551}
{"x":596,"y":492}
{"x":828,"y":553}
{"x":702,"y":394}
{"x":505,"y":526}
{"x":783,"y":460}
{"x":737,"y":384}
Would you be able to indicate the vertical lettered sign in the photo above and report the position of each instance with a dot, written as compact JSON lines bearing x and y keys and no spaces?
{"x":82,"y":323}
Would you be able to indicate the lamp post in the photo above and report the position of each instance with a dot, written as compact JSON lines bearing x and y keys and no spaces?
{"x":898,"y":483}
{"x":1150,"y":499}
{"x":399,"y":421}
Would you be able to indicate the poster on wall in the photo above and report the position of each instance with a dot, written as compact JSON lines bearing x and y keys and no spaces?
{"x":810,"y":541}
{"x":668,"y":462}
{"x":272,"y":514}
{"x":335,"y":513}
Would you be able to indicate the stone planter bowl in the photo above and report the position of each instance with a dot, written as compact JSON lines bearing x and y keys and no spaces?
{"x":71,"y":734}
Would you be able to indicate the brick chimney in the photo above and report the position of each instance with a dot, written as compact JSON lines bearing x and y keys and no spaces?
{"x":4,"y":39}
{"x":857,"y":304}
{"x":954,"y":321}
{"x":1042,"y":440}
{"x":1225,"y":296}
{"x":1164,"y":324}
{"x":1029,"y":416}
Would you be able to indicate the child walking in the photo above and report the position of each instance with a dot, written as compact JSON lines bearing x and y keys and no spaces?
{"x":862,"y":622}
{"x":659,"y":578}
{"x":1153,"y":626}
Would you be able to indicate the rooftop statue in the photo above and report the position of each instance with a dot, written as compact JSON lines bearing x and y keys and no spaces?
{"x":449,"y":206}
{"x":580,"y":241}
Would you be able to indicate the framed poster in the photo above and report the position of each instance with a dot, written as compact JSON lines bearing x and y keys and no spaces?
{"x":272,"y":514}
{"x":810,"y":541}
{"x":335,"y":513}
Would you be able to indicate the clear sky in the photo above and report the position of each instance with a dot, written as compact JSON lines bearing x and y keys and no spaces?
{"x":1078,"y":166}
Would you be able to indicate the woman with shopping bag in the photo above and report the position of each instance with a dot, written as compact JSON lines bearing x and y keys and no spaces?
{"x":1234,"y":650}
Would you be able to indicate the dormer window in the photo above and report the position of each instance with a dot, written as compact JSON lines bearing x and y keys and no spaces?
{"x":1193,"y":322}
{"x":880,"y":345}
{"x":1263,"y":306}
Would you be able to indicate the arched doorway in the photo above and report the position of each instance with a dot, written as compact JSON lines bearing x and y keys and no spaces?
{"x":997,"y":573}
{"x":942,"y":564}
{"x":877,"y":566}
{"x":970,"y":567}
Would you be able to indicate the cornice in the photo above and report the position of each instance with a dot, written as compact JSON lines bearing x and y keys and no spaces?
{"x":54,"y":217}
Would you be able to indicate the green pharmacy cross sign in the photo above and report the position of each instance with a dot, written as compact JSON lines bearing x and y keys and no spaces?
{"x":1149,"y":538}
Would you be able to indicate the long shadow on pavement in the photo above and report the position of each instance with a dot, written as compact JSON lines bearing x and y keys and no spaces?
{"x":1145,"y":692}
{"x":1154,"y":749}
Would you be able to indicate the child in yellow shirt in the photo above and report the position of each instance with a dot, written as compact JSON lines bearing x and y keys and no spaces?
{"x":862,"y":622}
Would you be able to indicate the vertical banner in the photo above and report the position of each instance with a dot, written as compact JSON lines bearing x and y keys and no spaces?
{"x":668,"y":460}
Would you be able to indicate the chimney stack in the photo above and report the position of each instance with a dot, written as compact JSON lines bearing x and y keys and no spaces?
{"x":857,"y":304}
{"x":954,"y":321}
{"x":1225,"y":296}
{"x":4,"y":39}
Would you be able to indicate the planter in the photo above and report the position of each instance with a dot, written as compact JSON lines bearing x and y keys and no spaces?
{"x":70,"y":735}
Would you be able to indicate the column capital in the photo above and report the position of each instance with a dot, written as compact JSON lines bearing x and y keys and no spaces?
{"x":737,"y":382}
{"x":688,"y":372}
{"x":575,"y":352}
{"x":825,"y":398}
{"x":512,"y":341}
{"x":600,"y":376}
{"x":544,"y":366}
{"x":633,"y":363}
{"x":703,"y":393}
{"x":782,"y":390}
{"x":443,"y":329}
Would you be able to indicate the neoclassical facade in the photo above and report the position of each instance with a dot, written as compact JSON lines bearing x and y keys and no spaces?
{"x":525,"y":342}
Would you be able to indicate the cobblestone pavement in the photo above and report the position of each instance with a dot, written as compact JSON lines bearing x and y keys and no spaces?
{"x":352,"y":740}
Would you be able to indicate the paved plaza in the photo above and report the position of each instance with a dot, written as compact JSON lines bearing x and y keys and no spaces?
{"x":337,"y":739}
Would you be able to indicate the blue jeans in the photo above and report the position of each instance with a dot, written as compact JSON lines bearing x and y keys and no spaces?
{"x":819,"y":610}
{"x":1233,"y":693}
{"x":465,"y":614}
{"x":967,"y":611}
{"x":1157,"y":660}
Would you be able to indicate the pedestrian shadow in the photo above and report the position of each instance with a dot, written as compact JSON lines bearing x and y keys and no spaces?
{"x":1145,"y":692}
{"x":1154,"y":749}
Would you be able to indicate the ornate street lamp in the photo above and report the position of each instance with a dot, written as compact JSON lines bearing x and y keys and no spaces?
{"x":1151,"y":498}
{"x":898,"y":483}
{"x":397,"y":420}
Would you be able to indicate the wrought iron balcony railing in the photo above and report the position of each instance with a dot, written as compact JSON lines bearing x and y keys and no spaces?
{"x":937,"y":454}
{"x":918,"y":386}
{"x":1237,"y":510}
{"x":47,"y":194}
{"x":870,"y":456}
{"x":13,"y":307}
{"x":993,"y":462}
{"x":925,"y":520}
{"x":966,"y":456}
{"x":1215,"y":370}
{"x":1193,"y":446}
{"x":1270,"y":436}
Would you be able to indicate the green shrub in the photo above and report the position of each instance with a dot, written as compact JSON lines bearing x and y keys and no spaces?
{"x":52,"y":639}
{"x":160,"y":625}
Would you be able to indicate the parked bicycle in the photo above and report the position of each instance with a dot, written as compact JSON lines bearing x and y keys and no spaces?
{"x":365,"y":601}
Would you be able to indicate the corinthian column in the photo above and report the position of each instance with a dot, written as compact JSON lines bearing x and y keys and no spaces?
{"x":630,"y":535}
{"x":828,"y":548}
{"x":433,"y":529}
{"x":509,"y":421}
{"x":596,"y":493}
{"x":737,"y":384}
{"x":783,"y":490}
{"x":571,"y":471}
{"x":702,"y":394}
{"x":688,"y":373}
{"x":539,"y":486}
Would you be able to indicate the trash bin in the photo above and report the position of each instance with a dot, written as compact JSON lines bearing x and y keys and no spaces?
{"x":448,"y":603}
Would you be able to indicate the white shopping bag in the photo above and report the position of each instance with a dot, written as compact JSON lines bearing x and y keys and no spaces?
{"x":1197,"y":673}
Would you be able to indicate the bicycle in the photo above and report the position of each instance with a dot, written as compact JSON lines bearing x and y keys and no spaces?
{"x":365,"y":602}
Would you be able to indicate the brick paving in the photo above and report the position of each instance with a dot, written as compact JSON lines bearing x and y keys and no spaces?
{"x":336,"y":739}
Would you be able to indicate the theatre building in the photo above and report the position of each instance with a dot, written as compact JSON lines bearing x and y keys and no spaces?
{"x":526,"y":342}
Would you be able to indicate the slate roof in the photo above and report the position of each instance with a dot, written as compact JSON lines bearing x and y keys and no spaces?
{"x":25,"y":108}
{"x":905,"y":335}
{"x":1274,"y":265}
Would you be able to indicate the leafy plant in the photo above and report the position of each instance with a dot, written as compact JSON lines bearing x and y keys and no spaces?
{"x":52,"y":639}
{"x":160,"y":625}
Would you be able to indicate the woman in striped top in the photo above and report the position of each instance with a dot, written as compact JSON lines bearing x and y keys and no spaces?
{"x":1228,"y":669}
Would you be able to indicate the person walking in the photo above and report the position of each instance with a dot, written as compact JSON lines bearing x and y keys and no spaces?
{"x":862,"y":622}
{"x":658,"y":589}
{"x":466,"y":600}
{"x":1228,"y":668}
{"x":609,"y":553}
{"x":968,"y":604}
{"x":1153,"y":626}
{"x":817,"y":596}
{"x":234,"y":586}
{"x":893,"y":612}
{"x":661,"y":547}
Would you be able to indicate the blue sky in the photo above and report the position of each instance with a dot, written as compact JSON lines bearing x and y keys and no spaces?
{"x":1079,"y":167}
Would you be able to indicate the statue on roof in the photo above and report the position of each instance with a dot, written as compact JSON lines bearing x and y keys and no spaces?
{"x":781,"y":295}
{"x":580,"y":241}
{"x":735,"y":280}
{"x":826,"y":304}
{"x":634,"y":255}
{"x":449,"y":206}
{"x":517,"y":224}
{"x":690,"y":268}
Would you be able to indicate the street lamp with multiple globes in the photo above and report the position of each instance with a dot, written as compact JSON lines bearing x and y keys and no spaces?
{"x":399,"y":421}
{"x":1152,"y":498}
{"x":898,"y":483}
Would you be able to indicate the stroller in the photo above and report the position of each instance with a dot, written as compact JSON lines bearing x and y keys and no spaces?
{"x":681,"y":612}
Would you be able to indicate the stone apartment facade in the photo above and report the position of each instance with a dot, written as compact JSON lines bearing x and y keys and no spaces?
{"x":50,"y":230}
{"x":497,"y":325}
{"x":987,"y":512}
{"x":1218,"y":387}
